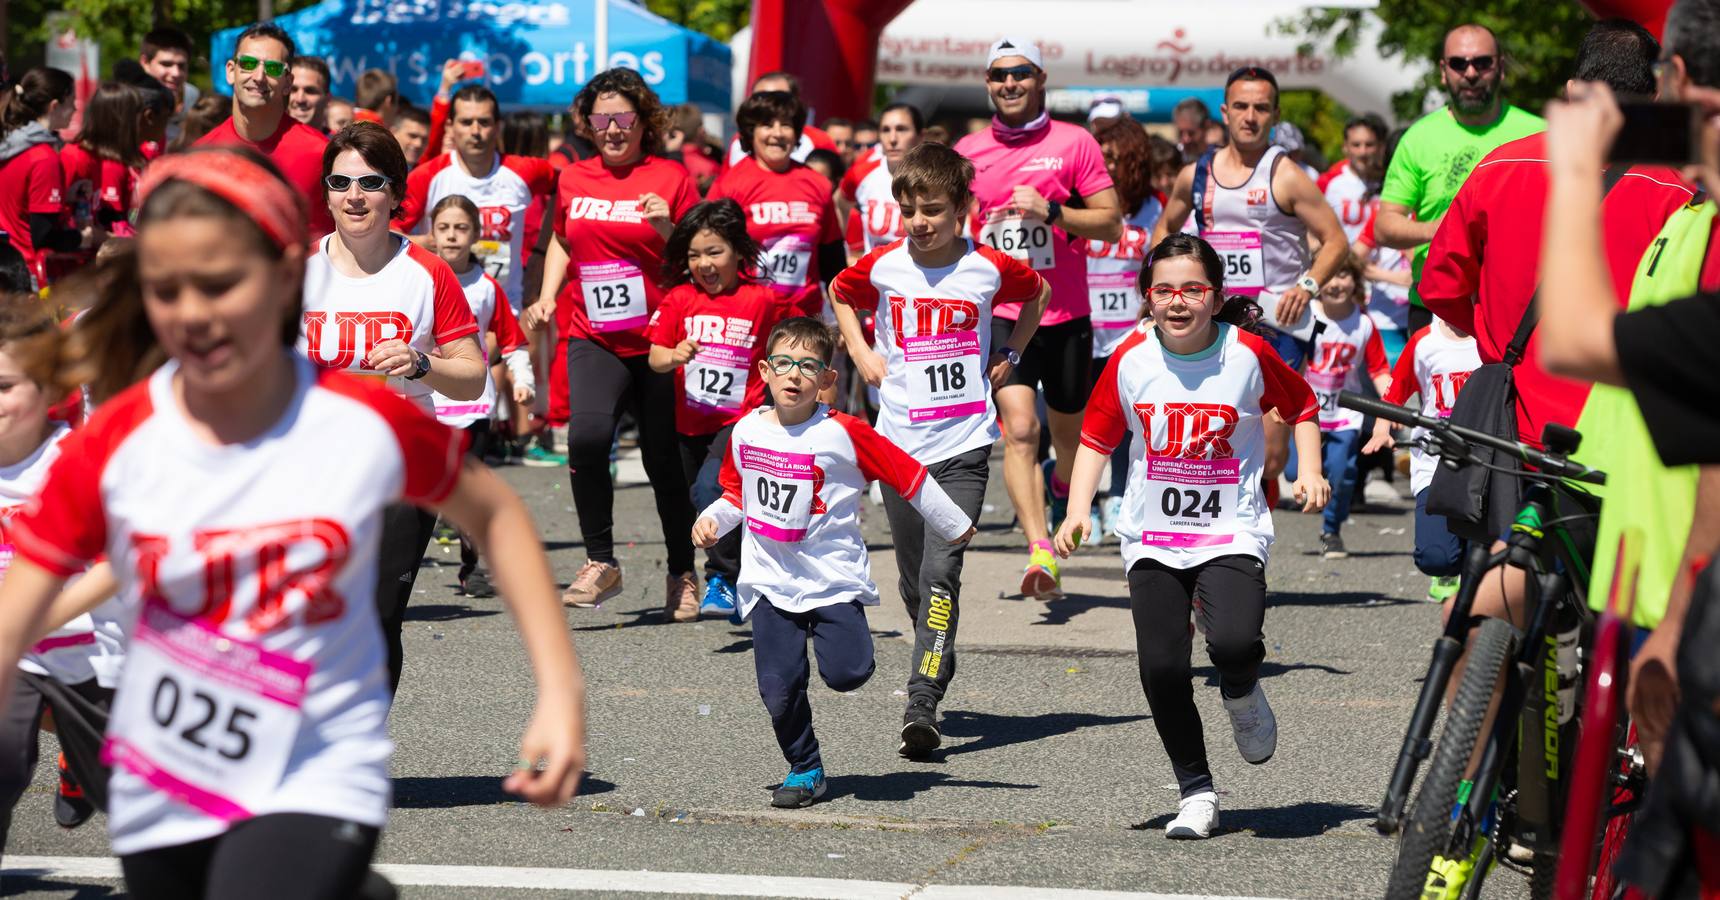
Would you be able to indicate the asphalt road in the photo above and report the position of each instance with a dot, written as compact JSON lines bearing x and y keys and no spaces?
{"x":1052,"y":776}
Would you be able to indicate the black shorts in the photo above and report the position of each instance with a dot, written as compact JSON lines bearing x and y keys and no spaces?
{"x":1058,"y":358}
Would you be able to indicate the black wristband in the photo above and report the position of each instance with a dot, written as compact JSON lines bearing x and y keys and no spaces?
{"x":1053,"y":211}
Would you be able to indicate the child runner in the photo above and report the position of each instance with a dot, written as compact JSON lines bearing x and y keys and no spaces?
{"x":71,"y":672}
{"x":453,"y":229}
{"x":249,"y":733}
{"x":1435,"y":364}
{"x":1190,"y":389}
{"x":795,"y":473}
{"x":1345,"y":341}
{"x":710,"y":330}
{"x":939,"y":355}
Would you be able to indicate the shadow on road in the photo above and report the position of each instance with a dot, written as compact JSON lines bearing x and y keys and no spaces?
{"x":22,"y":881}
{"x":445,"y":612}
{"x":895,"y":787}
{"x":995,"y":731}
{"x":448,"y":792}
{"x":651,"y":615}
{"x":1299,"y":820}
{"x":1271,"y":669}
{"x":1060,"y":611}
{"x":1359,"y":599}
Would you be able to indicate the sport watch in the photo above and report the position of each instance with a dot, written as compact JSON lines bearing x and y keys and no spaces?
{"x":1014,"y":358}
{"x":1307,"y":283}
{"x":423,"y":366}
{"x":1053,"y":211}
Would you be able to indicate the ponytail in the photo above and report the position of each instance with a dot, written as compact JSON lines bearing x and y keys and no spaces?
{"x":29,"y":99}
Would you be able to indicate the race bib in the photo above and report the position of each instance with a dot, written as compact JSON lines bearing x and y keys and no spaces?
{"x":494,"y":257}
{"x":779,"y":492}
{"x":206,"y":719}
{"x":1326,"y":387}
{"x":1244,"y":264}
{"x":1028,"y":240}
{"x":614,"y":295}
{"x":946,"y":376}
{"x":717,"y":377}
{"x":1114,"y":301}
{"x":1190,"y":503}
{"x":786,"y":261}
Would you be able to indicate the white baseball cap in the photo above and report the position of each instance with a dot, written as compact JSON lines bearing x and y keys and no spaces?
{"x":1106,"y":107}
{"x":1025,"y":49}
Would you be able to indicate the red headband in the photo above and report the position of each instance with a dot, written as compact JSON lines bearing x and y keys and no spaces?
{"x":257,"y":192}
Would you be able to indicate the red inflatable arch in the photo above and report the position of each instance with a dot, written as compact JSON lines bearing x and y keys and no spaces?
{"x":832,"y":45}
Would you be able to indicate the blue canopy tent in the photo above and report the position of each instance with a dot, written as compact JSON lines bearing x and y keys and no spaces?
{"x":536,"y":53}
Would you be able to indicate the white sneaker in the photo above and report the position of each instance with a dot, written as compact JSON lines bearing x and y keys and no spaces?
{"x":1379,"y":492}
{"x":1110,"y":513}
{"x":1252,"y":722}
{"x":1196,"y":817}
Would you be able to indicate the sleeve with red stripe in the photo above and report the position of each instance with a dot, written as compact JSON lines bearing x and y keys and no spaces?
{"x":850,"y":186}
{"x":854,"y":232}
{"x":417,"y":197}
{"x":1332,"y":171}
{"x":1019,"y":283}
{"x":853,"y":286}
{"x":1404,"y":384}
{"x":881,"y":460}
{"x":506,"y":325}
{"x":1284,"y":390}
{"x":431,"y":452}
{"x":1102,"y":425}
{"x":665,"y":327}
{"x":453,"y":314}
{"x":1374,"y":354}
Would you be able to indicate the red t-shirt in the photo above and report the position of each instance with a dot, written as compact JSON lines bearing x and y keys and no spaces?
{"x":699,"y":163}
{"x":94,"y":185}
{"x":297,"y":150}
{"x":31,"y":182}
{"x":614,"y":256}
{"x":721,"y":383}
{"x":1484,"y":263}
{"x":791,"y":214}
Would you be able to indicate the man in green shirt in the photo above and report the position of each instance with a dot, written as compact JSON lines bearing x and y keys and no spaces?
{"x":1437,"y":152}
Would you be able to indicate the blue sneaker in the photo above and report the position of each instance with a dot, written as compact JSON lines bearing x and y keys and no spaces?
{"x":799,"y":790}
{"x":719,"y":599}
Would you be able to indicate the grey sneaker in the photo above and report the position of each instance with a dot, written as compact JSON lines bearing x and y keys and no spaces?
{"x":1332,"y":546}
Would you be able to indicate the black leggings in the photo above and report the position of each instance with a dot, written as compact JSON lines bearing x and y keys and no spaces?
{"x":406,"y":532}
{"x":283,"y":856}
{"x":600,"y":386}
{"x":80,"y":718}
{"x":1228,"y":598}
{"x":480,"y":436}
{"x":701,"y":460}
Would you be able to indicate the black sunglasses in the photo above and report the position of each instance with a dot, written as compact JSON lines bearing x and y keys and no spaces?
{"x":1019,"y":73}
{"x":1459,"y":64}
{"x":273,"y":68}
{"x":340,"y":183}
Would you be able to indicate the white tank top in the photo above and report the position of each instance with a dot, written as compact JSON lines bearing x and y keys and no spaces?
{"x":1264,"y":248}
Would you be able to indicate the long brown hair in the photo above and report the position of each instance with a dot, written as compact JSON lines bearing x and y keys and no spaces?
{"x":1131,"y":168}
{"x":29,"y":99}
{"x":110,"y":123}
{"x":653,"y":118}
{"x":28,"y":335}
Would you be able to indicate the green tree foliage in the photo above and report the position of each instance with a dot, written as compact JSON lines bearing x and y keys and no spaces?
{"x":1540,"y":40}
{"x":718,"y":18}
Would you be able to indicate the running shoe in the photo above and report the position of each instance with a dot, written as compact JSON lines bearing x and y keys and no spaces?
{"x":1196,"y":817}
{"x":445,"y":534}
{"x":539,"y":458}
{"x":477,"y":584}
{"x":681,"y":598}
{"x":799,"y":790}
{"x":1254,"y":726}
{"x":1040,"y":579}
{"x":1443,"y":588}
{"x":71,"y":807}
{"x":719,"y":597}
{"x":920,"y":729}
{"x":1110,"y":515}
{"x":1059,"y":504}
{"x":594,"y":583}
{"x":1332,"y":546}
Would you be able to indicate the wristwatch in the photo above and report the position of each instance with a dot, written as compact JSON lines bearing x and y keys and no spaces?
{"x":423,"y":367}
{"x":1013,"y":357}
{"x":1053,"y":211}
{"x":1307,"y":283}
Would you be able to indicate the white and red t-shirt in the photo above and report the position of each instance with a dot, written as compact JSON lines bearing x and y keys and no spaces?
{"x":89,"y":646}
{"x":877,"y":218}
{"x":1352,"y":198}
{"x":1060,"y":161}
{"x":256,"y":680}
{"x":493,"y":315}
{"x":721,"y":383}
{"x":1113,"y":278}
{"x":1435,"y":365}
{"x":797,"y":489}
{"x":96,"y":185}
{"x":502,"y":195}
{"x":1198,"y":443}
{"x":1342,"y":352}
{"x":614,"y":255}
{"x":416,"y":298}
{"x":791,"y":214}
{"x":933,"y":328}
{"x":1388,"y":305}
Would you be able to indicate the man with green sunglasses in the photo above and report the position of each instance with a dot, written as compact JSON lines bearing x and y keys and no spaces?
{"x":260,"y":76}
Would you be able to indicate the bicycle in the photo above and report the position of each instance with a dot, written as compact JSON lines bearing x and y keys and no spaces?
{"x":1466,"y":824}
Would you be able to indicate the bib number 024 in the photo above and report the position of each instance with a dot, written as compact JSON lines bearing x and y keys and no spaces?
{"x":1187,"y":503}
{"x":192,"y":715}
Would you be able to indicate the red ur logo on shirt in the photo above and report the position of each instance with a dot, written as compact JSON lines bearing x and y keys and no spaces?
{"x":495,"y":223}
{"x":1132,"y":246}
{"x":597,"y":210}
{"x":1257,"y":196}
{"x":380,"y":326}
{"x":884,"y":218}
{"x":782,"y":212}
{"x":1446,"y":387}
{"x":1334,"y":359}
{"x":933,"y":315}
{"x":258,"y":558}
{"x":1192,"y":430}
{"x":730,"y":330}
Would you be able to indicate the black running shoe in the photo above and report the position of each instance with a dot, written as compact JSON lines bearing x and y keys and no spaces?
{"x":920,"y":729}
{"x":477,"y":584}
{"x":71,"y":807}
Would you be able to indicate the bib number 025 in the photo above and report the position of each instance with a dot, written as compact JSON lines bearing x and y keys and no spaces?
{"x":1187,"y":503}
{"x":191,"y":716}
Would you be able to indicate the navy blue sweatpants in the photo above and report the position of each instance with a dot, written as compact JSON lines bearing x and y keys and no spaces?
{"x":843,"y":645}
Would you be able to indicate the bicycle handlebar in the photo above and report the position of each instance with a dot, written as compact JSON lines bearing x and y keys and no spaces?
{"x":1455,"y":442}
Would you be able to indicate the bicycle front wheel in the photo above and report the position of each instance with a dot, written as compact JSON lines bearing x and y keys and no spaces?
{"x":1429,"y":828}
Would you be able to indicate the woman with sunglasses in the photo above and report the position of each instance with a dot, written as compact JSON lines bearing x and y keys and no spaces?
{"x":613,"y":214}
{"x":383,"y":307}
{"x":238,"y":493}
{"x":259,"y":75}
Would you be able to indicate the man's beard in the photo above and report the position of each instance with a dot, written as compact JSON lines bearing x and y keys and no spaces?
{"x":1473,"y":103}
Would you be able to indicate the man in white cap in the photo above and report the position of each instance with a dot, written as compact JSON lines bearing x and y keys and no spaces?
{"x":1041,"y":190}
{"x":1106,"y":108}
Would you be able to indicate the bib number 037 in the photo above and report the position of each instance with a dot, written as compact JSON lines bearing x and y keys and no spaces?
{"x":775,"y":495}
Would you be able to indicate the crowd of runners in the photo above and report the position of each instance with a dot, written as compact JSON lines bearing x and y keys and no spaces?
{"x":314,"y":324}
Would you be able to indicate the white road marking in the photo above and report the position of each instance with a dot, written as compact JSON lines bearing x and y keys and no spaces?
{"x":645,"y":882}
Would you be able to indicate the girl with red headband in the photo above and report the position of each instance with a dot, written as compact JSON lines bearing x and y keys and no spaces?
{"x":249,"y":733}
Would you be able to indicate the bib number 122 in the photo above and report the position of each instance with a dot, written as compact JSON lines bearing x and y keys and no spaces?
{"x":1186,"y":503}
